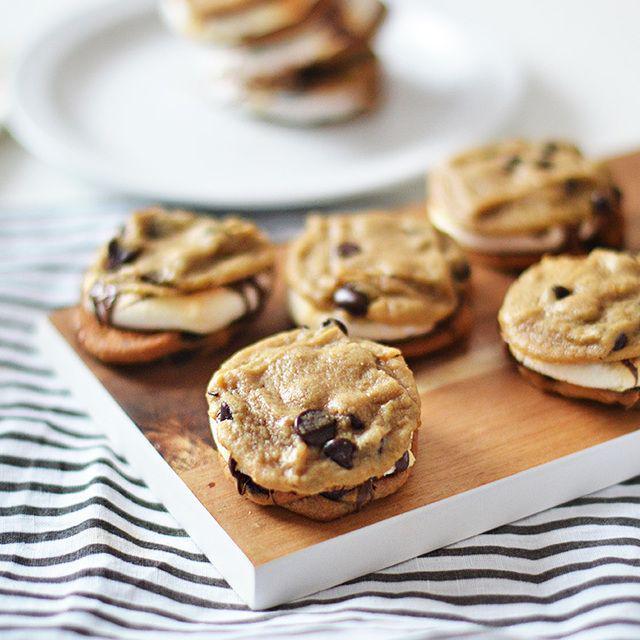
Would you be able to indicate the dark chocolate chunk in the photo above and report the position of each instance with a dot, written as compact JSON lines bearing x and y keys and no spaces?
{"x":153,"y":277}
{"x":103,"y":297}
{"x":225,"y":412}
{"x":355,"y":423}
{"x":511,"y":164}
{"x":252,"y":303}
{"x":461,"y":271}
{"x":329,"y":321}
{"x":315,"y":427}
{"x":561,"y":292}
{"x":351,"y":300}
{"x":117,"y":255}
{"x":571,"y":186}
{"x":244,"y":482}
{"x":341,"y":451}
{"x":617,"y":193}
{"x":632,"y":367}
{"x":335,"y":496}
{"x":402,"y":464}
{"x":600,"y":203}
{"x":365,"y":493}
{"x":621,"y":342}
{"x":348,"y":249}
{"x":548,"y":151}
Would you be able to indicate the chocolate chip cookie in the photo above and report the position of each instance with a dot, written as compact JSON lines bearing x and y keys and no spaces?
{"x":171,"y":282}
{"x":387,"y":276}
{"x":511,"y":202}
{"x":315,"y":421}
{"x":572,"y":325}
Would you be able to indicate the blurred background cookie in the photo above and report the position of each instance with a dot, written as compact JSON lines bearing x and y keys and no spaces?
{"x":171,"y":282}
{"x":232,"y":21}
{"x":511,"y":202}
{"x":388,"y":276}
{"x":315,"y":421}
{"x":571,"y":324}
{"x":315,"y":67}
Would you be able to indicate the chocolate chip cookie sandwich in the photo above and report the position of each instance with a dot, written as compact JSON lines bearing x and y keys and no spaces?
{"x":315,"y":421}
{"x":387,"y":276}
{"x":172,"y":282}
{"x":225,"y":22}
{"x":509,"y":203}
{"x":313,"y":96}
{"x":572,"y":325}
{"x":334,"y":30}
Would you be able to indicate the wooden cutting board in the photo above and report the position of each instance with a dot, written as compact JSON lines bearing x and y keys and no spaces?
{"x":491,"y":449}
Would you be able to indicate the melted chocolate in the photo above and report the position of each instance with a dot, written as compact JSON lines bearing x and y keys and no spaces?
{"x":103,"y":296}
{"x":243,"y":482}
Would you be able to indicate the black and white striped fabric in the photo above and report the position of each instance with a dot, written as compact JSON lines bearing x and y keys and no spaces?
{"x":86,"y":549}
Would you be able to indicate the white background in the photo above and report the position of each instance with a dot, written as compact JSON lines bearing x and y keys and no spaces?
{"x":582,"y":59}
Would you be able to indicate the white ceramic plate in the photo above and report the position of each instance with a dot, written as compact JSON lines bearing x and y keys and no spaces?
{"x":111,"y":95}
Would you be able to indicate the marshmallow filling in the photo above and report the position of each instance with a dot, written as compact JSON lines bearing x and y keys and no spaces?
{"x":551,"y":239}
{"x":613,"y":376}
{"x":202,"y":312}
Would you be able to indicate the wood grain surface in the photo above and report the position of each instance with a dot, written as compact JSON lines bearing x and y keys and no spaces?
{"x":481,"y":421}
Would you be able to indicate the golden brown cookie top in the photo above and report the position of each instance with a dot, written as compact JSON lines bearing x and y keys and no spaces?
{"x":388,"y":267}
{"x":516,"y":187}
{"x":311,"y":411}
{"x":171,"y":253}
{"x":576,"y":309}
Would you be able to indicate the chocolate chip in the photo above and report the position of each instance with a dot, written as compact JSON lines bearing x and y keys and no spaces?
{"x":153,"y":277}
{"x":335,"y":496}
{"x":512,"y":163}
{"x":117,"y":255}
{"x":329,"y":321}
{"x":103,"y":297}
{"x":348,"y":249}
{"x":341,"y":451}
{"x":355,"y":423}
{"x":315,"y":427}
{"x":600,"y":203}
{"x":617,"y":193}
{"x":561,"y":292}
{"x":620,"y":343}
{"x":548,"y":151}
{"x":402,"y":464}
{"x":350,"y":299}
{"x":225,"y":412}
{"x":244,"y":482}
{"x":461,"y":271}
{"x":365,"y":493}
{"x":571,"y":186}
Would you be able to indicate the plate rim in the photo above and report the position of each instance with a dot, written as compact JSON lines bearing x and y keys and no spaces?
{"x":48,"y":143}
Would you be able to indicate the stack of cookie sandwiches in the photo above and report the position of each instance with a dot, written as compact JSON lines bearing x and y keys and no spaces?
{"x":572,"y":325}
{"x":172,"y":282}
{"x":387,"y":276}
{"x":315,"y":421}
{"x":300,"y":62}
{"x":508,"y":204}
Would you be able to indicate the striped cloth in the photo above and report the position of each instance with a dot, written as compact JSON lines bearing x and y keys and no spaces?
{"x":86,"y":549}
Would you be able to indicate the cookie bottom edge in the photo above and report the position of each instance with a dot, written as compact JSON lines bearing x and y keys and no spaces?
{"x":628,"y":399}
{"x":112,"y":345}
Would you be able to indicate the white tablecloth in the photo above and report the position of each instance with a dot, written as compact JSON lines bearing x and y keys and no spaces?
{"x":86,"y":549}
